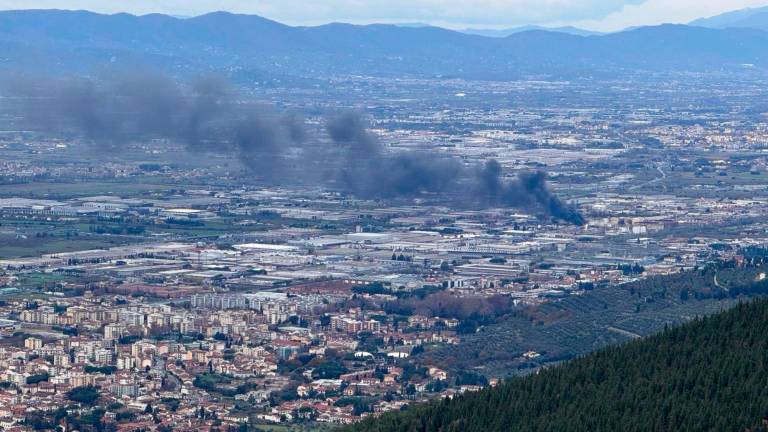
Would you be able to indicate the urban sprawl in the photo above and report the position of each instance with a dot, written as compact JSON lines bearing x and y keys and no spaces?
{"x":160,"y":291}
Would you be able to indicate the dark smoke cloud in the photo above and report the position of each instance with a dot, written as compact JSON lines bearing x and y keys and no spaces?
{"x":110,"y":112}
{"x":370,"y":172}
{"x":527,"y":190}
{"x":205,"y":116}
{"x":208,"y":116}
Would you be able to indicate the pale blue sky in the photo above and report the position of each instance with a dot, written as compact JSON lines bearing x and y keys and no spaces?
{"x":593,"y":14}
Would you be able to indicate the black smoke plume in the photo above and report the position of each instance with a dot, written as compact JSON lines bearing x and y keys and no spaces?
{"x":529,"y":189}
{"x":371,"y":172}
{"x":209,"y":116}
{"x":205,"y":116}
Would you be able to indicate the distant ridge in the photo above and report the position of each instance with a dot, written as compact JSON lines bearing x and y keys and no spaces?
{"x":514,"y":30}
{"x":743,"y":18}
{"x":252,"y":47}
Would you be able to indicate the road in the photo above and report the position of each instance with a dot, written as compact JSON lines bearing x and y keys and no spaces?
{"x":717,"y":283}
{"x":662,"y":176}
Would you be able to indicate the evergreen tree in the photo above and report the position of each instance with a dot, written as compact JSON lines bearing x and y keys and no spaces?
{"x":710,"y":374}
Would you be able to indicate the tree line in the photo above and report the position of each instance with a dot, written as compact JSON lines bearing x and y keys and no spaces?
{"x":709,"y":374}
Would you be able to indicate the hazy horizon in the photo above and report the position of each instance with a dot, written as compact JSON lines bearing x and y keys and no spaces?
{"x":595,"y":15}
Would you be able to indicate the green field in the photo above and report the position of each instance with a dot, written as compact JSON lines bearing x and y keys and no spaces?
{"x":136,"y":186}
{"x":55,"y":246}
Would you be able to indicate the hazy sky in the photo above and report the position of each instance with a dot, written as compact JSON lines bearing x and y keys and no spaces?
{"x":595,"y":14}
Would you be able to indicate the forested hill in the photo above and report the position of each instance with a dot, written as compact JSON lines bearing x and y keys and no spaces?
{"x":710,"y":374}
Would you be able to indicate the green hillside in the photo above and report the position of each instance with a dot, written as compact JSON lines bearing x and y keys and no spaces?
{"x":710,"y":374}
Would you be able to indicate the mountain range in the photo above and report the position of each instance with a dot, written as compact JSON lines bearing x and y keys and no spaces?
{"x":514,"y":30}
{"x":56,"y":41}
{"x":756,"y":18}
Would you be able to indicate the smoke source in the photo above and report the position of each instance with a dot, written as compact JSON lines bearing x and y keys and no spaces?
{"x":371,"y":172}
{"x":208,"y":116}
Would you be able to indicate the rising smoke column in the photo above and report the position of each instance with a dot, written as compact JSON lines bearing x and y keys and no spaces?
{"x":372,"y":173}
{"x":369,"y":172}
{"x":208,"y":116}
{"x":535,"y":184}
